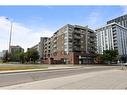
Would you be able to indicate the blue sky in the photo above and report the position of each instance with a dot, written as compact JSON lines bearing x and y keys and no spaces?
{"x":37,"y":21}
{"x":53,"y":17}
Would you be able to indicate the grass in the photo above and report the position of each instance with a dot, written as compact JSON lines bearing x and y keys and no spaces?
{"x":20,"y":67}
{"x":1,"y":61}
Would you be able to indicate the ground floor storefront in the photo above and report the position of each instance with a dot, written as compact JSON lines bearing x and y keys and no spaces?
{"x":70,"y":58}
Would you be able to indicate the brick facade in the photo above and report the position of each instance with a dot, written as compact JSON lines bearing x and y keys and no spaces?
{"x":70,"y":44}
{"x":71,"y":58}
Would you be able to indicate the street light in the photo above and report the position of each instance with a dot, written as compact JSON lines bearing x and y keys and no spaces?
{"x":10,"y":34}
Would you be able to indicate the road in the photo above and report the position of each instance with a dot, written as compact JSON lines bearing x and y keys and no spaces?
{"x":24,"y":77}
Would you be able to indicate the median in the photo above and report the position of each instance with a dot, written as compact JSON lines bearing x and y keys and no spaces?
{"x":13,"y":67}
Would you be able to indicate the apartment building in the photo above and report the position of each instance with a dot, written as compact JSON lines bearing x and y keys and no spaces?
{"x":17,"y":48}
{"x":70,"y":44}
{"x":112,"y":36}
{"x":122,"y":20}
{"x":40,"y":46}
{"x":35,"y":47}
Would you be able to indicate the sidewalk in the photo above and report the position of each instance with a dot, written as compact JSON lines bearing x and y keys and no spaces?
{"x":111,"y":79}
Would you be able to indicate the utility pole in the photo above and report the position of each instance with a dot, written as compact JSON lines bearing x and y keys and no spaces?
{"x":10,"y":37}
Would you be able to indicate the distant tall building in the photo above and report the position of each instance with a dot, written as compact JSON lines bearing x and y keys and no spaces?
{"x":70,"y":44}
{"x":17,"y":48}
{"x":40,"y":46}
{"x":122,"y":20}
{"x":112,"y":37}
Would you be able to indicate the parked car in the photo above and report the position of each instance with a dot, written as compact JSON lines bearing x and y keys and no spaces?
{"x":125,"y":64}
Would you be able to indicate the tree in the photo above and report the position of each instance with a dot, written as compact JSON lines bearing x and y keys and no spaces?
{"x":6,"y":57}
{"x":123,"y":58}
{"x":99,"y":58}
{"x":32,"y":55}
{"x":110,"y":55}
{"x":15,"y":56}
{"x":22,"y":57}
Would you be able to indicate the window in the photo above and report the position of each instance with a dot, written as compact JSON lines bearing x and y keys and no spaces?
{"x":65,"y":46}
{"x":81,"y":36}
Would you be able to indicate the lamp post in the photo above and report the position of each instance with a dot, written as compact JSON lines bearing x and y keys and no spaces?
{"x":10,"y":31}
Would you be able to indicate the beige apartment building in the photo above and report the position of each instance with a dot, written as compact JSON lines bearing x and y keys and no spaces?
{"x":70,"y":44}
{"x":40,"y":47}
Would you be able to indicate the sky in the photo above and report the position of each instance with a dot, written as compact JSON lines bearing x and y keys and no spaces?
{"x":32,"y":22}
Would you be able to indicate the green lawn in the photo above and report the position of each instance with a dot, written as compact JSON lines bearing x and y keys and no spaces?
{"x":20,"y":67}
{"x":1,"y":61}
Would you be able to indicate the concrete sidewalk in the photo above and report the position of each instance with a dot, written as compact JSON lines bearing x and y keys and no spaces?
{"x":111,"y":79}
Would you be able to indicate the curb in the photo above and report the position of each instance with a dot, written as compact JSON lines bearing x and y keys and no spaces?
{"x":32,"y":70}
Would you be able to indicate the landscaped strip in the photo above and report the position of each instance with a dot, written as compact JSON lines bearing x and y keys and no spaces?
{"x":7,"y":68}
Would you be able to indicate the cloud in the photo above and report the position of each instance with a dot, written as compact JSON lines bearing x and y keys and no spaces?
{"x":124,"y":9}
{"x":21,"y":35}
{"x":94,"y":20}
{"x":93,"y":17}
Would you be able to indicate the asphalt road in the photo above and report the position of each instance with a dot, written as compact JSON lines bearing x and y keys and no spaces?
{"x":24,"y":77}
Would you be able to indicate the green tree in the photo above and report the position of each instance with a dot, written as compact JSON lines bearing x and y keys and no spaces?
{"x":15,"y":56}
{"x":22,"y":57}
{"x":110,"y":55}
{"x":27,"y":56}
{"x":123,"y":58}
{"x":32,"y":55}
{"x":6,"y":57}
{"x":99,"y":58}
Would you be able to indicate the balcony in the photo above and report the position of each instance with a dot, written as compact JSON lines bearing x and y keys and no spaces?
{"x":77,"y":32}
{"x":54,"y":45}
{"x":114,"y":33}
{"x":77,"y":42}
{"x":77,"y":37}
{"x":54,"y":40}
{"x":114,"y":37}
{"x":76,"y":48}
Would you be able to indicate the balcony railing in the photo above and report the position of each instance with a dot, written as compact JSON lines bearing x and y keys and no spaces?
{"x":77,"y":37}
